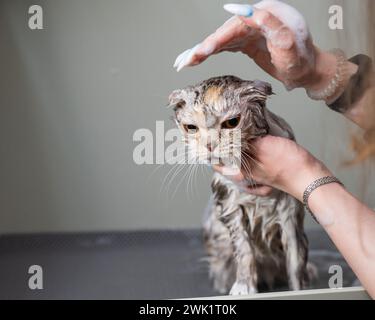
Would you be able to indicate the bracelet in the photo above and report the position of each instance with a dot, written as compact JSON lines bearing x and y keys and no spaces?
{"x":335,"y":82}
{"x":314,"y":185}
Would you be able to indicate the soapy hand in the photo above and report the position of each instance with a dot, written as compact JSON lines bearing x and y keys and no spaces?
{"x":272,"y":33}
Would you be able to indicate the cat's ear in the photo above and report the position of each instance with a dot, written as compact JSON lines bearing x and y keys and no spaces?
{"x":255,"y":92}
{"x":264,"y":87}
{"x":176,"y":99}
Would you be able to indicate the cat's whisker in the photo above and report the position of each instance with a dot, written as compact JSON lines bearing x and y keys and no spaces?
{"x":177,"y":167}
{"x":179,"y":183}
{"x":252,"y":179}
{"x":175,"y":175}
{"x":190,"y":177}
{"x":178,"y":151}
{"x":250,"y":157}
{"x":193,"y":179}
{"x":177,"y":172}
{"x":174,"y":169}
{"x":198,"y":170}
{"x":248,"y":172}
{"x":189,"y":169}
{"x":166,"y":162}
{"x":246,"y":158}
{"x":180,"y":160}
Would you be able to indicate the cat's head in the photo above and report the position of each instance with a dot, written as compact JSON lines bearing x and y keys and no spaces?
{"x":220,"y":116}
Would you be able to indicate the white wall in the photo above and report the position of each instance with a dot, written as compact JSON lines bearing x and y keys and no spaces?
{"x":73,"y":94}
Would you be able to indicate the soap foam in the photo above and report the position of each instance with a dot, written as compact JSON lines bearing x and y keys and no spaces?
{"x":291,"y":18}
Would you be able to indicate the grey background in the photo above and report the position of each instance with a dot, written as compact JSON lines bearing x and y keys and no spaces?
{"x":73,"y":94}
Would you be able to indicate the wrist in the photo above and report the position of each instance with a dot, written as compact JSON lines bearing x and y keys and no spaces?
{"x":309,"y":170}
{"x":324,"y":70}
{"x":324,"y":200}
{"x":330,"y":76}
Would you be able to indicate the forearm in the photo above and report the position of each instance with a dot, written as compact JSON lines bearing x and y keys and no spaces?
{"x":355,"y":90}
{"x":349,"y":223}
{"x":351,"y":226}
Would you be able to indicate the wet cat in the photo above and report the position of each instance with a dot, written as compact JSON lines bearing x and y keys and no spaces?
{"x":252,"y":241}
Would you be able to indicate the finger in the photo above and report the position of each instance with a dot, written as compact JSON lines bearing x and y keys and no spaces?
{"x":264,"y":60}
{"x":270,"y":26}
{"x":243,"y":10}
{"x":180,"y":57}
{"x":199,"y":53}
{"x":192,"y":56}
{"x":262,"y":191}
{"x":275,"y":32}
{"x":232,"y":35}
{"x":185,"y":58}
{"x":253,"y":188}
{"x":258,"y":19}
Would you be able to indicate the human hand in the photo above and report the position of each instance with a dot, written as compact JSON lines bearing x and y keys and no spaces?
{"x":281,"y":164}
{"x":276,"y":37}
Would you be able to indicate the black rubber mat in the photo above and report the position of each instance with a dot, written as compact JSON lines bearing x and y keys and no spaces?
{"x":128,"y":265}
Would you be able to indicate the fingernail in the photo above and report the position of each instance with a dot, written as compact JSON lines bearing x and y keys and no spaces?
{"x":186,"y":59}
{"x":182,"y":58}
{"x":179,"y":58}
{"x":244,"y":10}
{"x":181,"y":63}
{"x":180,"y":66}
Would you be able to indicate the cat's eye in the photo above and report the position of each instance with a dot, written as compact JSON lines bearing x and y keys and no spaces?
{"x":190,"y":128}
{"x":231,"y":123}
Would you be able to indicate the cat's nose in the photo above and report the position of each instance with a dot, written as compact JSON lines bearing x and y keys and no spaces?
{"x":209,"y":147}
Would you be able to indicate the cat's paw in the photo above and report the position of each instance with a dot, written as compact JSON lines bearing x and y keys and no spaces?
{"x":242,"y":288}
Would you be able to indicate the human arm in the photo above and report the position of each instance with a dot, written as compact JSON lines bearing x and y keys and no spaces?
{"x":285,"y":165}
{"x":265,"y":34}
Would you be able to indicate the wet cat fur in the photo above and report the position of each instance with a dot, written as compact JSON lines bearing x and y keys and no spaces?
{"x":252,"y":241}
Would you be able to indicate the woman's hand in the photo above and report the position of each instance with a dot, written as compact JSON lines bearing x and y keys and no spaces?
{"x":283,"y":165}
{"x":276,"y":37}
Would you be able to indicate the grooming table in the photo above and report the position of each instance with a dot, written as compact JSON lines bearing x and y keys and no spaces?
{"x":126,"y":265}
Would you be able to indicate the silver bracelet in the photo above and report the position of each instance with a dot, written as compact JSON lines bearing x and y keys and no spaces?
{"x":314,"y":185}
{"x":335,"y":82}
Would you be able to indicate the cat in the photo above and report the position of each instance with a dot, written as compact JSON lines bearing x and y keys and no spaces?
{"x":251,"y":241}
